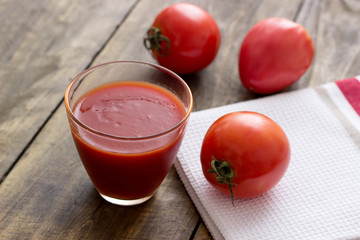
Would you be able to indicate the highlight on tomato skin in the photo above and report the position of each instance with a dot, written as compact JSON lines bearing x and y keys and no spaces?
{"x":274,"y":54}
{"x":244,"y":154}
{"x":183,"y":38}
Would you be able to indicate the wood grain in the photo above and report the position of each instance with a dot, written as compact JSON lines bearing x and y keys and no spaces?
{"x":47,"y":194}
{"x":334,"y":28}
{"x":43,"y":45}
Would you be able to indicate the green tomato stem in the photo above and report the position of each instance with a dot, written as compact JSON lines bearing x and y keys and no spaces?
{"x":224,"y":174}
{"x":153,"y":40}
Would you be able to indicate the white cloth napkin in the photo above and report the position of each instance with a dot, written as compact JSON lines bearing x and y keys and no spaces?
{"x":319,"y":196}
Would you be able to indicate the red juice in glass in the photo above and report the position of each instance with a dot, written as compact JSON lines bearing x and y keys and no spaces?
{"x":128,"y":133}
{"x":128,"y":109}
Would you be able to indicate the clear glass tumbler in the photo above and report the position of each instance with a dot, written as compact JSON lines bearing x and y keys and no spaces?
{"x":127,"y":153}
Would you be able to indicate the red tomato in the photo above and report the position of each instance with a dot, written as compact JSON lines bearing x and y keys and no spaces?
{"x":183,"y":38}
{"x":274,"y":54}
{"x":244,"y":154}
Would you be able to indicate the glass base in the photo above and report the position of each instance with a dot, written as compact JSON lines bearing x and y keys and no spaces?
{"x":125,"y":202}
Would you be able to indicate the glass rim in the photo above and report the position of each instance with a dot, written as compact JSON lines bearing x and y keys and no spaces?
{"x":155,"y":66}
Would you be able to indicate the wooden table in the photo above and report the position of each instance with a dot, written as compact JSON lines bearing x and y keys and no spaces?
{"x":45,"y":192}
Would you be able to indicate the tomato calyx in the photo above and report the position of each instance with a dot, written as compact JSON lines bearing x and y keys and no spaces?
{"x":153,"y":40}
{"x":224,"y":174}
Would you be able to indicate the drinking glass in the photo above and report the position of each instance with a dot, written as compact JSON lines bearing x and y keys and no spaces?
{"x":126,"y":170}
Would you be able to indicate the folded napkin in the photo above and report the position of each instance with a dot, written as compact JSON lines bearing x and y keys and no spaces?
{"x":319,"y":195}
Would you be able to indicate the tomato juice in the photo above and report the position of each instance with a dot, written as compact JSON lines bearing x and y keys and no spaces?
{"x":140,"y":134}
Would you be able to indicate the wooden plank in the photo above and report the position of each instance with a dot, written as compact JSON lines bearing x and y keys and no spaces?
{"x":334,"y":28}
{"x":336,"y":37}
{"x":43,"y":45}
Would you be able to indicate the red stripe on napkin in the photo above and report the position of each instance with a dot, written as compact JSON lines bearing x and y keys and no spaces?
{"x":351,"y":89}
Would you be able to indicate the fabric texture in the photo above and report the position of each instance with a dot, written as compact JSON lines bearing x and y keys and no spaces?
{"x":319,"y":195}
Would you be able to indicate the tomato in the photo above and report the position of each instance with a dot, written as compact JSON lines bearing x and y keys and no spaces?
{"x":244,"y":154}
{"x":274,"y":54}
{"x":183,"y":38}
